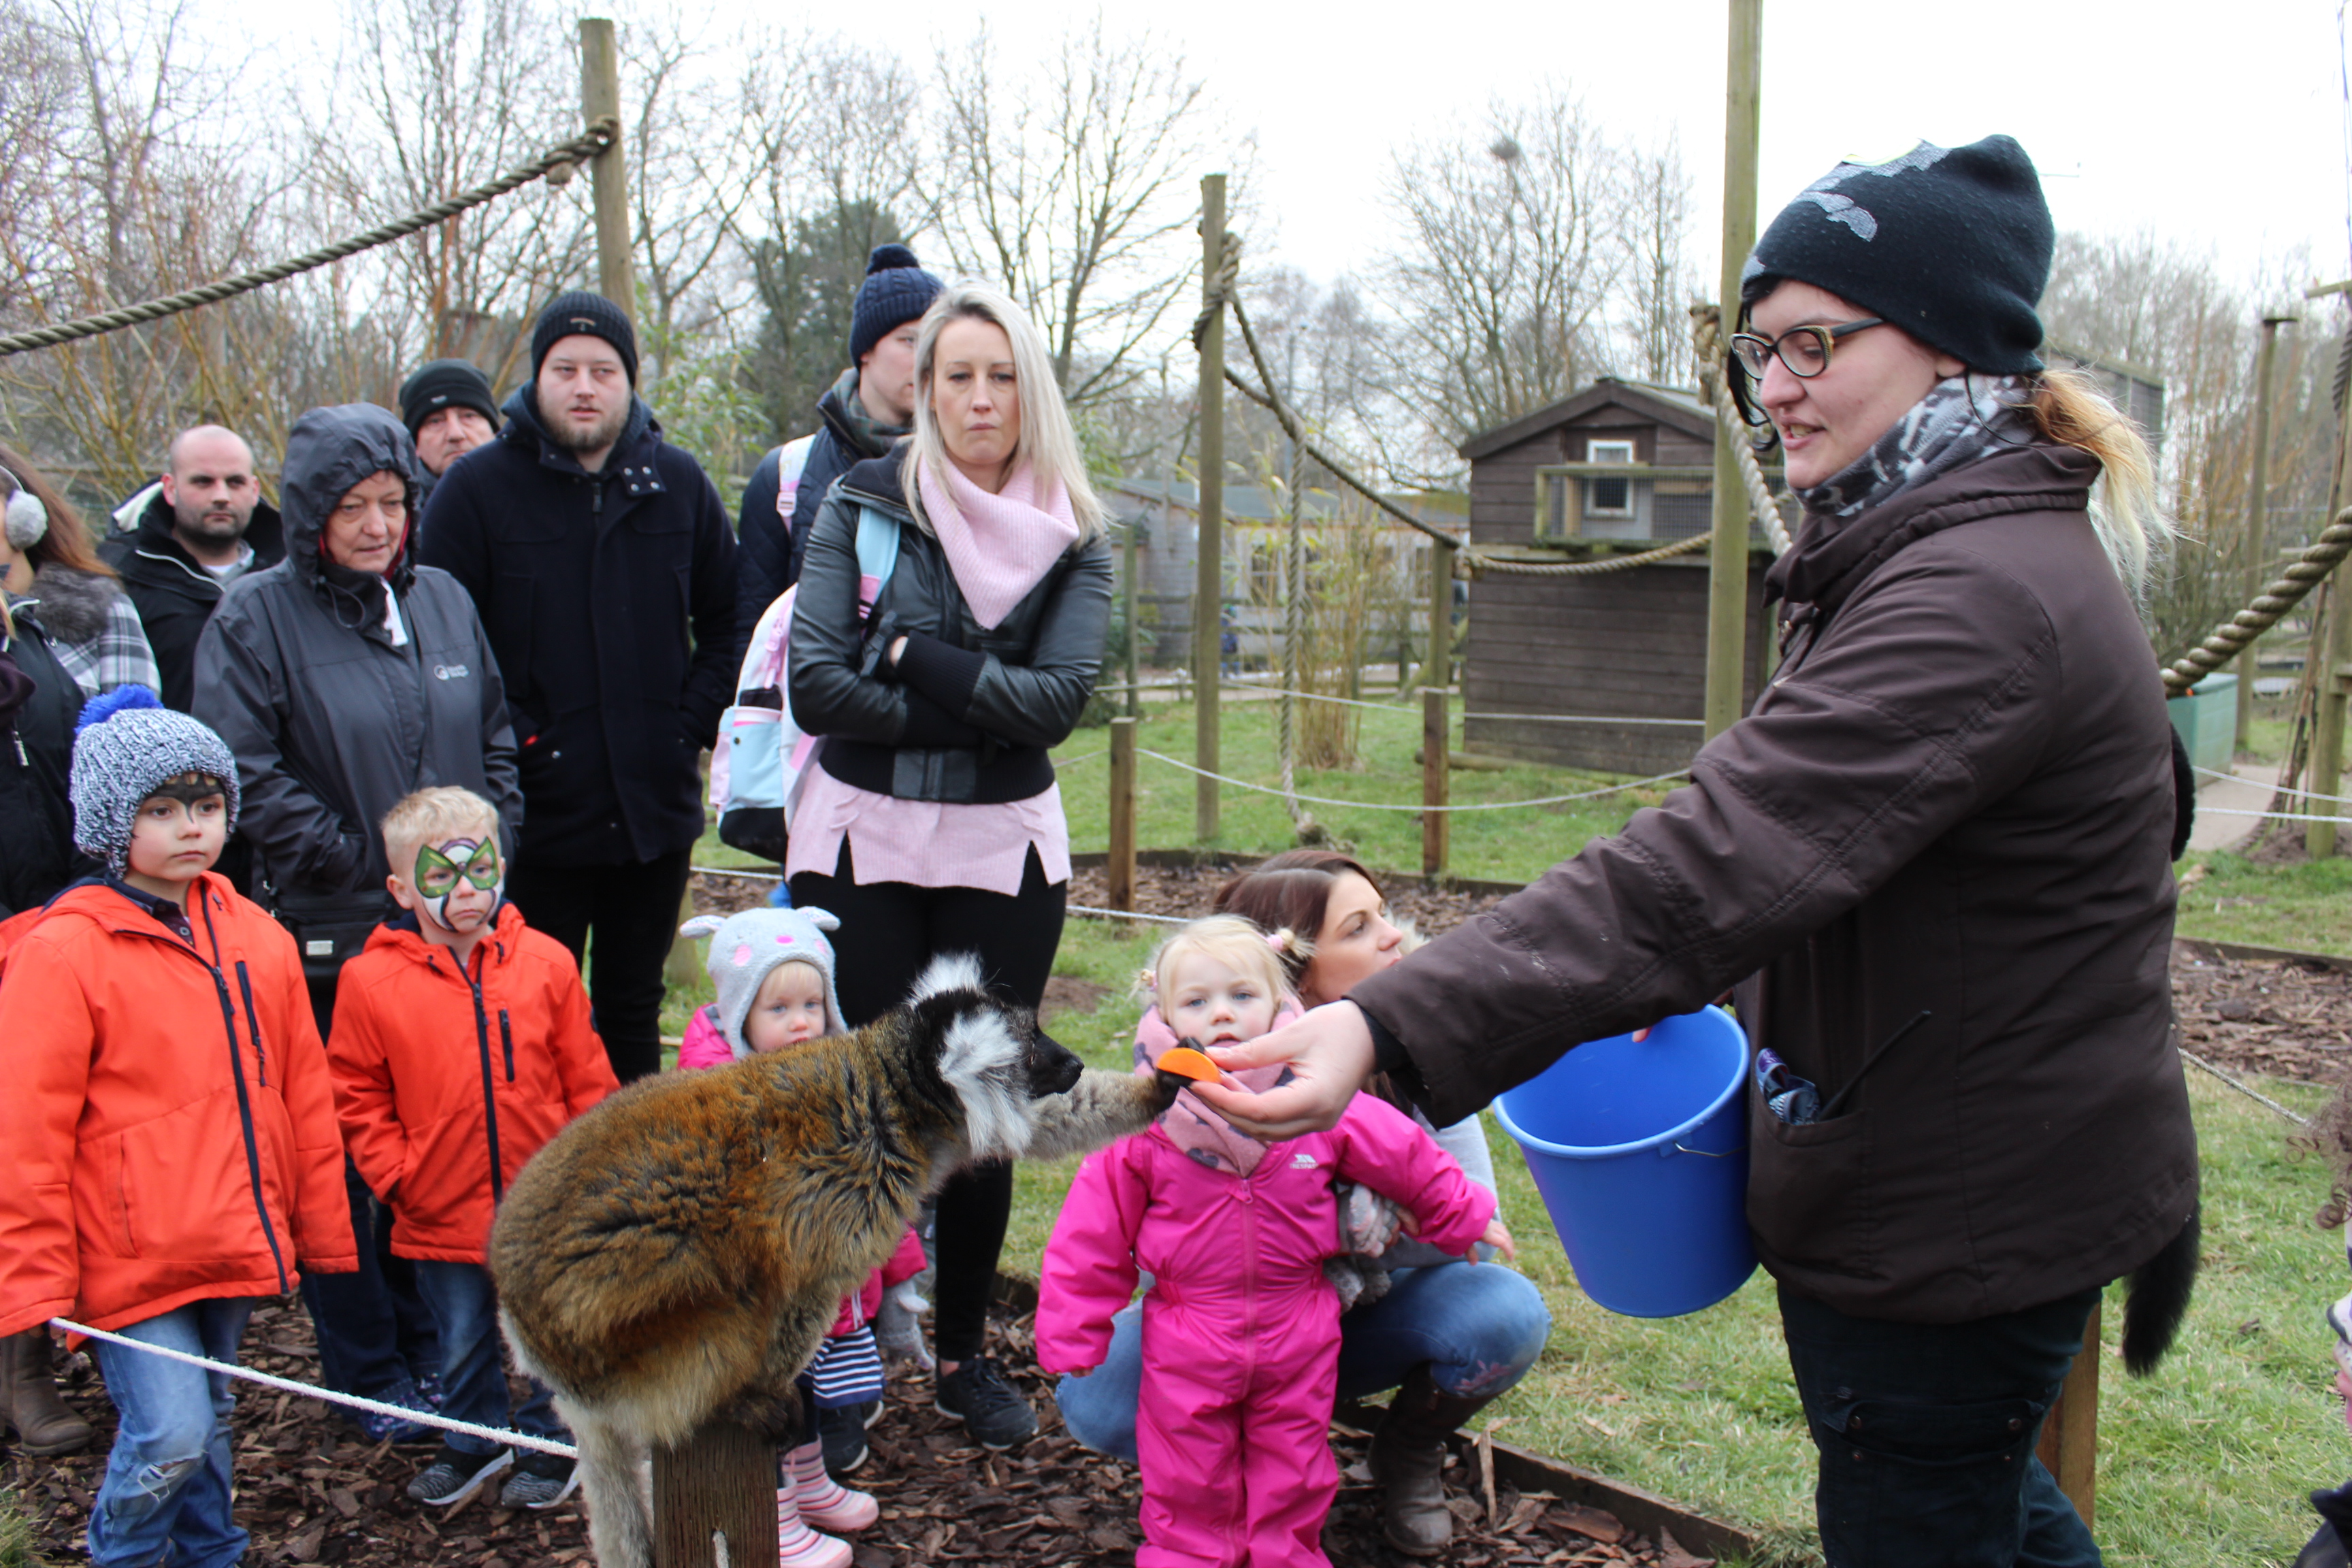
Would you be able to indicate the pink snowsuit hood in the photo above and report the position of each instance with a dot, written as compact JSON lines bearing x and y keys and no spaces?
{"x":1240,"y":1330}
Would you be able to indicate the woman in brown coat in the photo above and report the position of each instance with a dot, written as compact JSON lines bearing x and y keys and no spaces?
{"x":1934,"y":862}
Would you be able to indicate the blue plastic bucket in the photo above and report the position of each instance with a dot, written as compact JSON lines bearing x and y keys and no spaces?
{"x":1640,"y":1154}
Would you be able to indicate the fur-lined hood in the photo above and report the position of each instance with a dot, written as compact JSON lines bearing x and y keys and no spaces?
{"x":74,"y":605}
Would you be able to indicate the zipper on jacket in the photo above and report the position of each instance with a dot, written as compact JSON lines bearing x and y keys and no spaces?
{"x":506,"y":1040}
{"x":253,"y":1023}
{"x":490,"y":1086}
{"x":243,"y":1097}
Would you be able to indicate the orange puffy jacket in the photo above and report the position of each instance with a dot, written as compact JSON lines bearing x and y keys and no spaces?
{"x":449,"y":1079}
{"x":168,"y":1120}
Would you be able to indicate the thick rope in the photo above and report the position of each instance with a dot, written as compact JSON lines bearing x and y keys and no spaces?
{"x":2232,"y":637}
{"x":1714,"y":367}
{"x":565,"y":156}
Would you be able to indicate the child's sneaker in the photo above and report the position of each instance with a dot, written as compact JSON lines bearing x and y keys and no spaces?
{"x":375,"y":1425}
{"x":823,"y":1501}
{"x":428,"y":1389}
{"x":540,"y":1480}
{"x":992,"y":1409}
{"x":455,"y":1474}
{"x":842,"y":1428}
{"x":798,"y":1546}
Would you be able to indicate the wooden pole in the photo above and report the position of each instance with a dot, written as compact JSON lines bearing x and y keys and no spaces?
{"x":1726,"y":600}
{"x":2069,"y":1446}
{"x":2258,"y":506}
{"x":1436,"y":677}
{"x":1134,"y":704}
{"x":719,"y":1484}
{"x":2330,"y":649}
{"x":1120,"y":866}
{"x":600,"y":96}
{"x":1209,"y":584}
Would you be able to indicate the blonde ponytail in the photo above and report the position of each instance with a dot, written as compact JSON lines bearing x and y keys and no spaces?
{"x":2134,"y":530}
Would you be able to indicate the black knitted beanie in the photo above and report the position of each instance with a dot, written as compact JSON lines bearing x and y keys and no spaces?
{"x":896,"y":290}
{"x":1951,"y":244}
{"x":581,"y":313}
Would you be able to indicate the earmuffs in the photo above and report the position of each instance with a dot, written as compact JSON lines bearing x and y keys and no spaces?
{"x":28,"y":520}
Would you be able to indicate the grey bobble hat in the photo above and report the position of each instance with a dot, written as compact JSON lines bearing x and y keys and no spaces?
{"x":129,"y":745}
{"x":1951,"y":244}
{"x":745,"y":947}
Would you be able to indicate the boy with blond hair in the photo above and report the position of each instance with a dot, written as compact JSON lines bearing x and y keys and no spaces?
{"x":462,"y":1043}
{"x":169,"y":1128}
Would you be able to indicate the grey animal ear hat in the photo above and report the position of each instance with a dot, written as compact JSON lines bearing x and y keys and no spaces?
{"x":745,"y":947}
{"x":129,"y":745}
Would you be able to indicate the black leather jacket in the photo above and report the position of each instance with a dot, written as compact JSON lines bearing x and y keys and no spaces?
{"x":968,"y":713}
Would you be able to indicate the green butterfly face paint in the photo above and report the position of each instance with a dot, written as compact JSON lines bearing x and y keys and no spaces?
{"x":454,"y":864}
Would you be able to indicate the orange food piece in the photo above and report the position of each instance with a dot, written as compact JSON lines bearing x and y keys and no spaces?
{"x":1186,"y":1062}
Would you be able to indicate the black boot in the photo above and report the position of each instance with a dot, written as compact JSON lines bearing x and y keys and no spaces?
{"x":29,"y":1401}
{"x":1408,"y":1458}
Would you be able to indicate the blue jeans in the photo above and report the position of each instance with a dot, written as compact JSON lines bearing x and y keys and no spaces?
{"x":473,"y":1367}
{"x":167,"y":1476}
{"x":374,"y":1331}
{"x":1480,"y":1327}
{"x":1926,"y":1434}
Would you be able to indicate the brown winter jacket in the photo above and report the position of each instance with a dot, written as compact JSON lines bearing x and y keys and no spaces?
{"x":1954,"y":798}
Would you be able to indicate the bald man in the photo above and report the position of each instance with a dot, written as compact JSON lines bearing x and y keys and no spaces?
{"x":203,"y":527}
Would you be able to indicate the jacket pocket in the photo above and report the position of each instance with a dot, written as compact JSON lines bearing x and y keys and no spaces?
{"x":185,"y":1190}
{"x":1808,"y":1192}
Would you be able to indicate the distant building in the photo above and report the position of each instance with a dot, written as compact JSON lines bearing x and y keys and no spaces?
{"x":1167,"y":520}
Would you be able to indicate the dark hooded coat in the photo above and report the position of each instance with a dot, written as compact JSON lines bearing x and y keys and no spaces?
{"x":331,"y":724}
{"x":610,"y":598}
{"x":175,"y":596}
{"x":38,"y":704}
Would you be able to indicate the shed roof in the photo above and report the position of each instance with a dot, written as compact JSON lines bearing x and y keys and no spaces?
{"x":1667,"y":404}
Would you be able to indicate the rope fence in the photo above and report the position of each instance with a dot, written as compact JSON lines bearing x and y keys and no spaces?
{"x":1416,"y":808}
{"x":2281,"y":789}
{"x":565,"y":156}
{"x":2230,"y":638}
{"x":325,"y":1396}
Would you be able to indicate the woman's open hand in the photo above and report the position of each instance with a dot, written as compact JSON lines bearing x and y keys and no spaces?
{"x":1330,"y":1055}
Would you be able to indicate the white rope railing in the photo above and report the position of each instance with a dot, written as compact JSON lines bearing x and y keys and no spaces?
{"x":1383,"y":805}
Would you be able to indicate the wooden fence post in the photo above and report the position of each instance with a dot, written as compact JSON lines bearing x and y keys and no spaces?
{"x":719,"y":1484}
{"x":1120,"y":869}
{"x":2069,"y":1447}
{"x":2258,"y":506}
{"x":1209,"y":579}
{"x":1436,"y":677}
{"x":600,"y":95}
{"x":1726,"y":625}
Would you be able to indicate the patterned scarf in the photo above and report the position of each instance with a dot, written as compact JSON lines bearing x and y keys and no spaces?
{"x":1962,"y":418}
{"x":1190,"y":1124}
{"x":873,"y":437}
{"x":999,"y":546}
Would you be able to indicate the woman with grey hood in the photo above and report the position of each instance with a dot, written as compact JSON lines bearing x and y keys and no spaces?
{"x":343,"y":678}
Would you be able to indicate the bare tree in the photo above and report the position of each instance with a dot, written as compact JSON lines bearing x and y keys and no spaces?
{"x":1659,"y":282}
{"x":1071,"y":186}
{"x":1508,"y":252}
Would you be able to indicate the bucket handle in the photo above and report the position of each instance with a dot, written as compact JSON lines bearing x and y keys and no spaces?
{"x":1665,"y":1150}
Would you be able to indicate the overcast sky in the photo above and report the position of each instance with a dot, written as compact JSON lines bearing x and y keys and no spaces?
{"x":2219,"y":126}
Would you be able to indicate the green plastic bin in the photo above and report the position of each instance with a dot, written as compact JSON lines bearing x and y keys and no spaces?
{"x":2207,"y":719}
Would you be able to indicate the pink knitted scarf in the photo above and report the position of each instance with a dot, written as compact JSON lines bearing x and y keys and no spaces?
{"x":999,"y":546}
{"x":1188,"y":1123}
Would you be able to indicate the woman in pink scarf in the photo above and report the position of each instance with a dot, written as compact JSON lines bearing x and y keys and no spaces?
{"x":939,"y":670}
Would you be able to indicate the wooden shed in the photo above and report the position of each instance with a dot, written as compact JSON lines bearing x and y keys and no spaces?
{"x":1618,"y":468}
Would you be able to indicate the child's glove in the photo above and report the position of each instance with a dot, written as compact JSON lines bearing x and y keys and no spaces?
{"x":898,"y":1330}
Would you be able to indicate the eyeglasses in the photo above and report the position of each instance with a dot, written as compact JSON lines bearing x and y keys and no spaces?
{"x":1804,"y":350}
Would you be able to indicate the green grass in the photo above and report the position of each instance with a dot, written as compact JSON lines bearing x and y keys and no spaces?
{"x":18,"y":1545}
{"x":2303,"y":905}
{"x":2205,"y":1463}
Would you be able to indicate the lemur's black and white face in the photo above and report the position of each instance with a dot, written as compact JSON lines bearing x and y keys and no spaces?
{"x":994,"y":1056}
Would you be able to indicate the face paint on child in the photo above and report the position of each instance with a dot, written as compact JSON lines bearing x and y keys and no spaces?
{"x":459,"y":882}
{"x":789,"y":1010}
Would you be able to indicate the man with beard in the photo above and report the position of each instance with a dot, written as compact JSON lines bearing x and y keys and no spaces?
{"x":869,"y":407}
{"x":199,"y":531}
{"x":601,"y":560}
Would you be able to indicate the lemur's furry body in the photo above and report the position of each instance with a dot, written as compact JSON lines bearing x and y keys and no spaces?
{"x":675,"y":1254}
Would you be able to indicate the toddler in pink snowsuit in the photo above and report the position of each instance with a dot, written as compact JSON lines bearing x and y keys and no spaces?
{"x":1240,"y":1330}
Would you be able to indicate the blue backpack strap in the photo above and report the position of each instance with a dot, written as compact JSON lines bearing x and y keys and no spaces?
{"x":878,"y":545}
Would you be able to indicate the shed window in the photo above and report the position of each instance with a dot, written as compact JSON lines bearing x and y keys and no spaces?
{"x":1608,"y":495}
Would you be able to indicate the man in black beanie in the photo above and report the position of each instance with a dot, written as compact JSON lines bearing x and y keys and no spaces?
{"x":601,"y":560}
{"x":448,"y":408}
{"x":870,"y":407}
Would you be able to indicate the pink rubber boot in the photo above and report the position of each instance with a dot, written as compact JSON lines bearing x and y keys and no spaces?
{"x":798,"y":1546}
{"x":824,"y":1501}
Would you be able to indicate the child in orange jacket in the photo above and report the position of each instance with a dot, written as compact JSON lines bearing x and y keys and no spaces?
{"x":169,"y":1125}
{"x":462,"y":1044}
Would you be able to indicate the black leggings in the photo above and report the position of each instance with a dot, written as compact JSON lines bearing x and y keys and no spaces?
{"x":890,"y":931}
{"x":633,"y":911}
